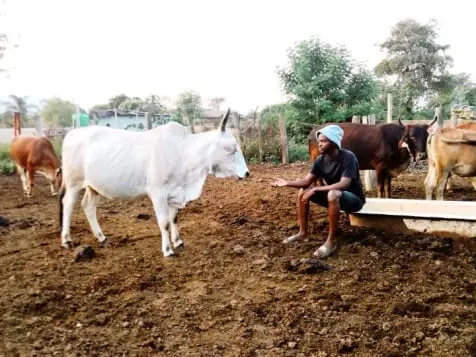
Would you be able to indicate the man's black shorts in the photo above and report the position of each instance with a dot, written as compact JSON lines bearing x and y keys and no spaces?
{"x":349,"y":202}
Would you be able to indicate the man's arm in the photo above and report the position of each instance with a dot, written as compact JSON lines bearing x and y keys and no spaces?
{"x":302,"y":183}
{"x":342,"y":185}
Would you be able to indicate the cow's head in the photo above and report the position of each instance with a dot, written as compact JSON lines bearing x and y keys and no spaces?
{"x":415,"y":136}
{"x":226,"y":156}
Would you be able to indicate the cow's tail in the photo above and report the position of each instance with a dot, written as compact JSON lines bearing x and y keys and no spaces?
{"x":61,"y":194}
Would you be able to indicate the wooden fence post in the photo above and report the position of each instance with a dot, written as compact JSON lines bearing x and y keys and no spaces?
{"x":439,"y":115}
{"x":260,"y":145}
{"x":370,"y":176}
{"x":16,"y":123}
{"x":389,"y":107}
{"x":284,"y":139}
{"x":454,"y":119}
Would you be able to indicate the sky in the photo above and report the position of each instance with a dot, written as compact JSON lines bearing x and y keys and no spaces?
{"x":87,"y":51}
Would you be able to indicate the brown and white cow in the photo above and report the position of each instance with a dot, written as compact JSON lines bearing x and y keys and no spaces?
{"x":35,"y":154}
{"x":385,"y":148}
{"x":450,"y":151}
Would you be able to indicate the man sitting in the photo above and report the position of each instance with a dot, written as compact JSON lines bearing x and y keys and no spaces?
{"x":342,"y":188}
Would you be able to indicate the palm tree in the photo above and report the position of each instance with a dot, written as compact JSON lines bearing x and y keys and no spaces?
{"x":19,"y":104}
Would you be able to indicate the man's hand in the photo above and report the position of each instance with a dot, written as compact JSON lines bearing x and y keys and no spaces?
{"x":307,"y":195}
{"x":279,"y":183}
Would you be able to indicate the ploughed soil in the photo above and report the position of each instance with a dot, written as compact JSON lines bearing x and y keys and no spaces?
{"x":235,"y":290}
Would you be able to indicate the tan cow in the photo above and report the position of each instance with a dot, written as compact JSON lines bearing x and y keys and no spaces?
{"x":469,"y":126}
{"x":450,"y":151}
{"x":35,"y":154}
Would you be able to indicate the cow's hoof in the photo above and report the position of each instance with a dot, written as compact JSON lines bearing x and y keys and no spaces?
{"x":180,"y":246}
{"x":105,"y":243}
{"x":67,"y":245}
{"x":169,"y":254}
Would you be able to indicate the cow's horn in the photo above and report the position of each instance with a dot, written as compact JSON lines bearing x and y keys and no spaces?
{"x":400,"y":121}
{"x":224,"y":120}
{"x":433,"y":121}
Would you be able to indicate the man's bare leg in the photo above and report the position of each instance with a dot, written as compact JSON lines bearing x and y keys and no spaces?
{"x":333,"y":211}
{"x":303,"y":218}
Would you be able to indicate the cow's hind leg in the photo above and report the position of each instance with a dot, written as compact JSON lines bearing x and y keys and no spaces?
{"x":52,"y":188}
{"x":388,"y":186}
{"x":69,"y":199}
{"x":448,"y":183}
{"x":381,"y":181}
{"x":473,"y":182}
{"x":174,"y":231}
{"x":22,"y":172}
{"x":30,"y":182}
{"x":89,"y":205}
{"x":161,"y":208}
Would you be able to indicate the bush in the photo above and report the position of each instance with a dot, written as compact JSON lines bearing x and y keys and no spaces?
{"x":272,"y":152}
{"x":298,"y":152}
{"x":7,"y":167}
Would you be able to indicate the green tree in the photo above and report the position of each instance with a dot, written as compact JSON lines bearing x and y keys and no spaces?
{"x":189,"y":107}
{"x":58,"y":112}
{"x":324,"y":84}
{"x":117,"y":100}
{"x":18,"y":104}
{"x":153,"y":104}
{"x":134,"y":103}
{"x":470,"y":96}
{"x":416,"y":60}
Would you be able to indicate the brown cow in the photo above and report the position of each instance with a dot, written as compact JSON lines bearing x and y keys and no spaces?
{"x":385,"y":148}
{"x":450,"y":151}
{"x":33,"y":154}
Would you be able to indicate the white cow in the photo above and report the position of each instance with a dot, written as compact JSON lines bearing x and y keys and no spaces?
{"x":167,"y":164}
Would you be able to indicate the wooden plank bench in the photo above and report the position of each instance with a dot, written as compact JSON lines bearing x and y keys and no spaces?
{"x":442,"y":218}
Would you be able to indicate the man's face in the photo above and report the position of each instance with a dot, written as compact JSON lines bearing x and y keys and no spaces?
{"x":325,"y":145}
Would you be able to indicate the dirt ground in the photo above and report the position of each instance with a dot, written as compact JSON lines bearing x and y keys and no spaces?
{"x":235,"y":290}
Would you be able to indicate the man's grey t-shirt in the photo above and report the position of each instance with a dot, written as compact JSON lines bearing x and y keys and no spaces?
{"x":344,"y":165}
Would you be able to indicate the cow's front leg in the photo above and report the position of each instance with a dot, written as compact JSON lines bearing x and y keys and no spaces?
{"x":174,"y":231}
{"x":161,"y":208}
{"x":430,"y":181}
